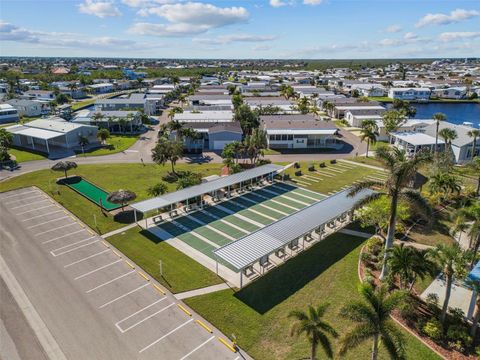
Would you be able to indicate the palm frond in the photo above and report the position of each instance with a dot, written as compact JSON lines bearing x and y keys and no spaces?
{"x":326,"y":345}
{"x":394,"y":341}
{"x":386,"y":156}
{"x":367,"y":200}
{"x":359,"y":312}
{"x":418,"y":203}
{"x":355,"y":337}
{"x":362,"y":185}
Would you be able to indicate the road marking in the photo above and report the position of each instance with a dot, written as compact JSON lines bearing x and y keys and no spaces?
{"x":60,"y":237}
{"x":148,"y":317}
{"x":97,"y":269}
{"x":18,"y":200}
{"x":60,"y":227}
{"x":40,"y":208}
{"x":46,"y":222}
{"x":202,"y":324}
{"x":23,"y":193}
{"x":198,"y":347}
{"x":75,"y":243}
{"x":86,"y":258}
{"x":29,"y":204}
{"x":122,"y":296}
{"x":164,"y":336}
{"x":76,"y":248}
{"x":110,"y":281}
{"x":53,"y":212}
{"x":139,"y":311}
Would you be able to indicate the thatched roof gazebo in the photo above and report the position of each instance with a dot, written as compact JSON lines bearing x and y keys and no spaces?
{"x":121,"y":197}
{"x":64,"y":166}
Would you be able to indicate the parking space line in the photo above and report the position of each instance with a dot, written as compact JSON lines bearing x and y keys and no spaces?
{"x":97,"y":269}
{"x":61,"y":237}
{"x":139,"y":311}
{"x":53,"y":212}
{"x":29,"y":204}
{"x":145,"y":319}
{"x":110,"y":281}
{"x":164,"y":336}
{"x":122,"y":296}
{"x":76,"y":248}
{"x":40,"y":208}
{"x":86,"y":258}
{"x":75,"y":243}
{"x":46,"y":222}
{"x":60,"y":227}
{"x":198,"y":347}
{"x":18,"y":200}
{"x":23,"y":193}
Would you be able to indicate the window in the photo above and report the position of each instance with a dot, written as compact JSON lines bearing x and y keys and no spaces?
{"x":284,"y":137}
{"x":290,"y":137}
{"x":272,"y":137}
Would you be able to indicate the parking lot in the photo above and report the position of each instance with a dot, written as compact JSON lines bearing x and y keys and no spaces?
{"x":96,"y":303}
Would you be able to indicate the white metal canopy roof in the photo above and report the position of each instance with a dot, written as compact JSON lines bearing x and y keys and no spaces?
{"x":302,"y":131}
{"x":205,"y":188}
{"x":250,"y":248}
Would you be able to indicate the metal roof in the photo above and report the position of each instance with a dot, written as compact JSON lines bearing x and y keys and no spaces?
{"x":205,"y":188}
{"x":250,"y":248}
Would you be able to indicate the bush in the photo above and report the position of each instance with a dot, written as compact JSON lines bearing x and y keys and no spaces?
{"x":432,"y":303}
{"x":298,"y":173}
{"x":407,"y":309}
{"x":374,"y":245}
{"x":296,"y":165}
{"x":333,"y":161}
{"x":235,"y":168}
{"x":457,"y":315}
{"x":458,"y":337}
{"x":322,"y":164}
{"x":261,"y":162}
{"x":433,"y":329}
{"x":170,"y":177}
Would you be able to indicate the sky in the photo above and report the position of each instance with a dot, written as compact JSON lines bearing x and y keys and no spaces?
{"x":230,"y":29}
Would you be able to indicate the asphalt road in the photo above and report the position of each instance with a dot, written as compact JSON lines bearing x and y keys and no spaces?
{"x":93,"y":301}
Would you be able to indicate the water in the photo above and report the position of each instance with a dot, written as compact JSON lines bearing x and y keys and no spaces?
{"x":456,"y":113}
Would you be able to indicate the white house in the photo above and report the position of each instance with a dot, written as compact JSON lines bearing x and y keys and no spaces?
{"x":422,"y":94}
{"x":450,"y":93}
{"x":28,"y":107}
{"x":221,"y":116}
{"x":41,"y":95}
{"x":101,"y":88}
{"x":412,"y":142}
{"x":371,"y":90}
{"x":299,"y":132}
{"x":52,"y":136}
{"x":8,"y":114}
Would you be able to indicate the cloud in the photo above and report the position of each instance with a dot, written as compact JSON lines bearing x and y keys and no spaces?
{"x":262,"y":48}
{"x":312,"y":2}
{"x":11,"y":32}
{"x":227,"y":39}
{"x":444,"y":19}
{"x":410,"y":36}
{"x":101,"y":9}
{"x":146,"y":3}
{"x":393,"y":29}
{"x":278,"y":3}
{"x":452,"y":36}
{"x":391,"y":42}
{"x":189,"y":18}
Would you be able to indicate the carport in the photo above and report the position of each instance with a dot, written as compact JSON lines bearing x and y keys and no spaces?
{"x":244,"y":178}
{"x":290,"y":235}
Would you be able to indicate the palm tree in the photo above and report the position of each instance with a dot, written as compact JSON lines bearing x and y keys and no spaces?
{"x":474,"y":165}
{"x":254,"y":144}
{"x":448,"y":135}
{"x":401,"y":172}
{"x":475,"y":133}
{"x":317,"y":330}
{"x":83,"y":141}
{"x":96,"y":117}
{"x":444,"y":184}
{"x":315,"y":110}
{"x":369,"y":132}
{"x":103,"y":135}
{"x":392,"y":119}
{"x":438,"y":117}
{"x":157,"y":189}
{"x":373,"y":318}
{"x":408,"y":264}
{"x":452,"y":259}
{"x":469,"y":219}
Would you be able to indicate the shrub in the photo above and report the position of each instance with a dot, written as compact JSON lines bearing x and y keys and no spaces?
{"x":457,"y":315}
{"x":407,"y":309}
{"x":432,"y":303}
{"x":333,"y":161}
{"x":298,"y":173}
{"x":322,"y":164}
{"x":433,"y":329}
{"x":296,"y":165}
{"x":374,"y":245}
{"x":458,"y":337}
{"x":170,"y":177}
{"x":261,"y":162}
{"x":477,"y":350}
{"x":235,"y":168}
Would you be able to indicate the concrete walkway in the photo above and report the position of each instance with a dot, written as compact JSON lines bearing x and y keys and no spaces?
{"x":202,"y":291}
{"x":356,"y":233}
{"x":118,"y":231}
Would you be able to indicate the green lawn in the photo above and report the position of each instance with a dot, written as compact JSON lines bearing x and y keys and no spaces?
{"x":25,"y":155}
{"x":330,"y":184}
{"x":115,"y":144}
{"x":180,"y":272}
{"x":134,"y":177}
{"x":258,"y":314}
{"x":80,"y":104}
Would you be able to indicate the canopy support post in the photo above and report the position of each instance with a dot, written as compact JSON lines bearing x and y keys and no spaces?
{"x":135,"y":215}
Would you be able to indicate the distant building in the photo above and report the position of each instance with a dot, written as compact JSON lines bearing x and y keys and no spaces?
{"x":456,"y":93}
{"x":298,"y":132}
{"x":101,"y":88}
{"x":8,"y":114}
{"x":41,"y":95}
{"x":28,"y":108}
{"x":53,"y":135}
{"x":422,"y":94}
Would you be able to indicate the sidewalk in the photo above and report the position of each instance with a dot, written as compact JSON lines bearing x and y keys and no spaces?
{"x":202,"y":291}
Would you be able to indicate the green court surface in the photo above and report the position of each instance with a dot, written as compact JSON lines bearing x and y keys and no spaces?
{"x":216,"y":226}
{"x":90,"y":191}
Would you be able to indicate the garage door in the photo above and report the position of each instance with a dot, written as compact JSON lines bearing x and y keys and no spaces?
{"x":219,"y":145}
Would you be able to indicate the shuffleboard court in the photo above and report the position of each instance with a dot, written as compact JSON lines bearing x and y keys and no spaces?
{"x":90,"y":191}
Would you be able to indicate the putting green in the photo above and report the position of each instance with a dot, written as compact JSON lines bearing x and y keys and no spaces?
{"x":90,"y":191}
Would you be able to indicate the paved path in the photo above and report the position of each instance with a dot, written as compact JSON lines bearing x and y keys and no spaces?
{"x":202,"y":291}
